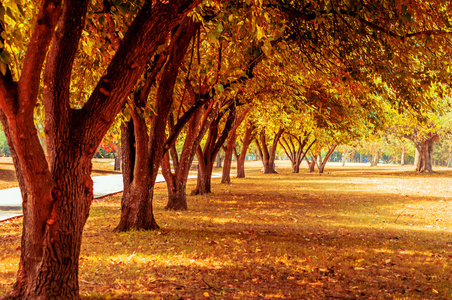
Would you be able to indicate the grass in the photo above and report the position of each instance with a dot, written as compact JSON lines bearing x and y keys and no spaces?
{"x":8,"y":174}
{"x":352,"y":233}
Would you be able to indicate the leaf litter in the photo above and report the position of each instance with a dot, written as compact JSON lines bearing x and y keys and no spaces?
{"x":342,"y":235}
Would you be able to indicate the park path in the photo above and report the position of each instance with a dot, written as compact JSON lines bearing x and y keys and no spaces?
{"x":11,"y":200}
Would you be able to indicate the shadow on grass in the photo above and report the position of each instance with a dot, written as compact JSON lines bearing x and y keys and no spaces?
{"x":241,"y":244}
{"x":279,"y":236}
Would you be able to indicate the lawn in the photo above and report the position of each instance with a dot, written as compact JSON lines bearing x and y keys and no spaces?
{"x":354,"y":232}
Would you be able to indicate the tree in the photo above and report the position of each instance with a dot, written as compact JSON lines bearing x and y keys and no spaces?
{"x":215,"y":139}
{"x":268,"y":152}
{"x":240,"y":157}
{"x":317,"y":158}
{"x":294,"y":147}
{"x":176,"y":179}
{"x":57,"y":189}
{"x":424,"y":130}
{"x":141,"y":173}
{"x":230,"y":146}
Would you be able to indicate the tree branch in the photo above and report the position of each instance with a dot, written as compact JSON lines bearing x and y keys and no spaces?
{"x":57,"y":73}
{"x":43,"y":33}
{"x":149,"y":30}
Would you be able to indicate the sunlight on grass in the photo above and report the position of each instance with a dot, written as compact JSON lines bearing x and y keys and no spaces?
{"x":356,"y":235}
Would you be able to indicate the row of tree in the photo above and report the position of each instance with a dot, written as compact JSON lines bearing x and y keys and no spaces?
{"x":307,"y":75}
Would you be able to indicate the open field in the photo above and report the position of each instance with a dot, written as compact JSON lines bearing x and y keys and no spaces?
{"x":354,"y":232}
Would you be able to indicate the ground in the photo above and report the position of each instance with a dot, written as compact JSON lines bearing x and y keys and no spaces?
{"x":355,"y":232}
{"x":8,"y":175}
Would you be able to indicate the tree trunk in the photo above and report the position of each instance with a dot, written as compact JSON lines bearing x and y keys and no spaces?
{"x":226,"y":176}
{"x":136,"y":209}
{"x":294,"y":153}
{"x":198,"y":124}
{"x":118,"y":156}
{"x":204,"y":179}
{"x":449,"y":161}
{"x":245,"y":145}
{"x":213,"y":144}
{"x":50,"y":228}
{"x":256,"y":155}
{"x":219,"y":160}
{"x":177,"y":196}
{"x":312,"y":163}
{"x":353,"y":156}
{"x":402,"y":156}
{"x":230,"y":147}
{"x":136,"y":205}
{"x":57,"y":191}
{"x":268,"y":153}
{"x":375,"y":157}
{"x":424,"y":152}
{"x":344,"y":157}
{"x":322,"y":162}
{"x":177,"y":182}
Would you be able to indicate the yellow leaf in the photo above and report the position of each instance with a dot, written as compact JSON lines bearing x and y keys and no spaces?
{"x":206,"y":294}
{"x":434,"y":291}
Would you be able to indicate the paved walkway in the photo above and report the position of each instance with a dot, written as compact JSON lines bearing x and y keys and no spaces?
{"x":11,"y":199}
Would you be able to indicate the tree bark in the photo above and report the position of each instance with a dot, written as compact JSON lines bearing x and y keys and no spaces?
{"x":230,"y":146}
{"x":423,"y":153}
{"x":375,"y":156}
{"x":219,"y":160}
{"x":177,"y":181}
{"x":268,"y":153}
{"x":312,"y":163}
{"x":245,"y":145}
{"x":231,"y":140}
{"x":402,"y":156}
{"x":449,"y":160}
{"x":136,"y":209}
{"x":57,"y":190}
{"x":296,"y":154}
{"x":424,"y":150}
{"x":136,"y":206}
{"x":321,"y":163}
{"x":213,"y":144}
{"x":117,"y":166}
